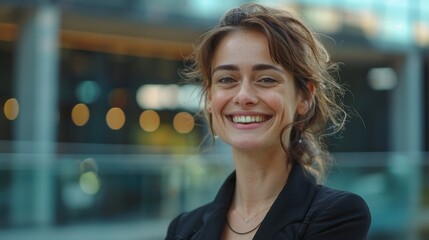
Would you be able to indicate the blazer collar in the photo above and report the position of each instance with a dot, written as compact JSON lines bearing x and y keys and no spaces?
{"x":215,"y":217}
{"x":290,"y":206}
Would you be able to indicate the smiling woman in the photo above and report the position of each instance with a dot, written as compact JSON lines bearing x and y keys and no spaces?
{"x":268,"y":94}
{"x":247,"y":84}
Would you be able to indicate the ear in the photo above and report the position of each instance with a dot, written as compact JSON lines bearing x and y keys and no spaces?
{"x":304,"y":104}
{"x":311,"y":88}
{"x":209,"y":106}
{"x":208,"y":103}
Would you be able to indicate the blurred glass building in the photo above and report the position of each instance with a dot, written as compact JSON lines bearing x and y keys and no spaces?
{"x":99,"y":138}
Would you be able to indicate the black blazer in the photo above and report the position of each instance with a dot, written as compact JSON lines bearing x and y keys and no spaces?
{"x":303,"y":210}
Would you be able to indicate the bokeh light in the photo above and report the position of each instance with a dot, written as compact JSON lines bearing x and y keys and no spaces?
{"x":115,"y":118}
{"x":421,"y":33}
{"x":183,"y":122}
{"x":147,"y":96}
{"x":11,"y":109}
{"x":118,"y":97}
{"x":168,"y":96}
{"x":382,"y":78}
{"x":80,"y":114}
{"x":89,"y":182}
{"x":88,"y":164}
{"x":149,"y":120}
{"x":88,"y":91}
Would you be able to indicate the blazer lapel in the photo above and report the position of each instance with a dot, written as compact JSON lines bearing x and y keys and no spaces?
{"x":213,"y":225}
{"x":291,"y":205}
{"x":214,"y":219}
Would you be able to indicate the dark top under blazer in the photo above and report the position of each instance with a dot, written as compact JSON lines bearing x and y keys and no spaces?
{"x":303,"y":210}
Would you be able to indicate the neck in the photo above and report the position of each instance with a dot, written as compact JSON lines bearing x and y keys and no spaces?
{"x":260,"y":178}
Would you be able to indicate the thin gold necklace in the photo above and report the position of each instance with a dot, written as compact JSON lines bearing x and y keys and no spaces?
{"x":242,"y":233}
{"x":248,"y":220}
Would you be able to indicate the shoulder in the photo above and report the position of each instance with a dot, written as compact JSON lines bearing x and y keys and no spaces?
{"x":338,"y":215}
{"x":187,"y":223}
{"x":337,"y":200}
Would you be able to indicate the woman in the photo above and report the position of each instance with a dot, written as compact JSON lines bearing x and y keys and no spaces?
{"x":269,"y":95}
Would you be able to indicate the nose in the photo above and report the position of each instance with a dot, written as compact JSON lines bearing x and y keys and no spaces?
{"x":246,"y":94}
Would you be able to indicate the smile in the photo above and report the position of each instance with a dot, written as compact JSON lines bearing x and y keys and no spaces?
{"x":249,"y":119}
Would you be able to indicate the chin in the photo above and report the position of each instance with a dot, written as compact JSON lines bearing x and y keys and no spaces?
{"x":246,"y":145}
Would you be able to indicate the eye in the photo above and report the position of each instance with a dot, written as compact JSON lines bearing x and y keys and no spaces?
{"x":267,"y":81}
{"x":226,"y":80}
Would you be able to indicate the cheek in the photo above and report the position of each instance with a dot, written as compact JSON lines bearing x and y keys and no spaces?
{"x":218,"y":102}
{"x":283,"y":106}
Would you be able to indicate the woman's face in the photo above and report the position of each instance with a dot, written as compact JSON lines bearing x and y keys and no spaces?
{"x":251,"y":98}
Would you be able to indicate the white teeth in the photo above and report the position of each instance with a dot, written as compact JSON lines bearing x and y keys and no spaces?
{"x":248,"y":119}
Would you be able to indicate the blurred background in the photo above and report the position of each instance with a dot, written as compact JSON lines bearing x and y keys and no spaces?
{"x":98,"y":135}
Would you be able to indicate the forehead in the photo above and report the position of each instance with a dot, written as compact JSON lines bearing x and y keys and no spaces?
{"x":244,"y":47}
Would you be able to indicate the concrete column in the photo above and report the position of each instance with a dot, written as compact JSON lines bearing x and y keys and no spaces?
{"x":407,"y":136}
{"x":407,"y":107}
{"x":36,"y":88}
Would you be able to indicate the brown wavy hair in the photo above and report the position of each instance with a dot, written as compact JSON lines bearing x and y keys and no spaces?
{"x":293,"y":45}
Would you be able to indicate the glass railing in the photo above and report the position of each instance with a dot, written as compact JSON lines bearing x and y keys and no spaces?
{"x":129,"y":195}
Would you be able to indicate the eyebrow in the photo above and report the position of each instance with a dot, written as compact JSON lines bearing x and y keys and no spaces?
{"x":260,"y":67}
{"x":228,"y":67}
{"x":257,"y":67}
